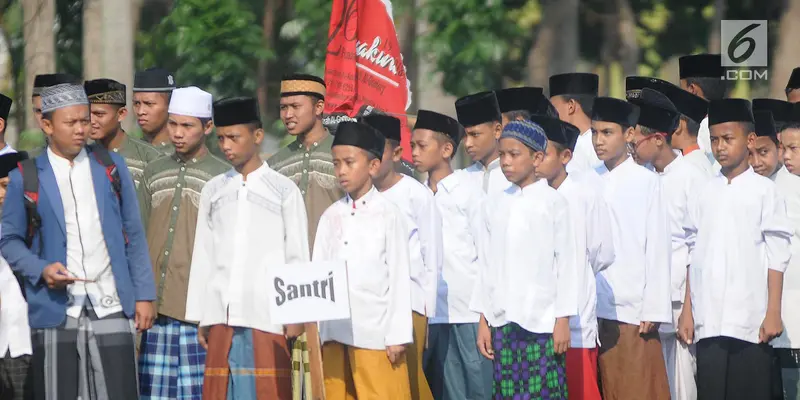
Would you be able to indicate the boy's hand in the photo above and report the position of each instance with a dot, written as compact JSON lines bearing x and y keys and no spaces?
{"x":56,"y":276}
{"x":395,"y":353}
{"x":202,"y":336}
{"x":686,"y":326}
{"x":561,"y":335}
{"x":145,"y":315}
{"x":771,"y":328}
{"x":485,"y":340}
{"x":646,"y":327}
{"x":293,"y":331}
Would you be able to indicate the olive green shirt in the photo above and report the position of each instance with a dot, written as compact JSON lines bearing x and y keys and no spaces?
{"x":312,"y":171}
{"x":171,"y":191}
{"x":137,"y":154}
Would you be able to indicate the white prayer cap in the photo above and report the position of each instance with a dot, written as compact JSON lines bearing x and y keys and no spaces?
{"x":192,"y":102}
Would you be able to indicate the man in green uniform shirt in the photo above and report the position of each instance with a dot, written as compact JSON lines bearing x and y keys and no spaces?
{"x":171,"y":356}
{"x":307,"y":161}
{"x":107,"y":102}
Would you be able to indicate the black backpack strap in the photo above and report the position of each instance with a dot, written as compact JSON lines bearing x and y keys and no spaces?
{"x":102,"y":156}
{"x":30,"y":197}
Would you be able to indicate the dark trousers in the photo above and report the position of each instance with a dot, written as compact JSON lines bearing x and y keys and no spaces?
{"x":732,"y":369}
{"x":15,"y":378}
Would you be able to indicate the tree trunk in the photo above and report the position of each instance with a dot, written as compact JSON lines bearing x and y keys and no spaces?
{"x":786,"y":56}
{"x":267,"y":36}
{"x":567,"y":53}
{"x":629,"y":46}
{"x":117,"y":45}
{"x":40,"y":46}
{"x":716,"y":26}
{"x":92,"y":39}
{"x":407,"y":31}
{"x":6,"y":86}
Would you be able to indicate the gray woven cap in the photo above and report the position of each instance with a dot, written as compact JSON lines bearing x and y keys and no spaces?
{"x":63,"y":95}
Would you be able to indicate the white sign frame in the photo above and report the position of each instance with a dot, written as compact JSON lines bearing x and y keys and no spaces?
{"x":300,"y":293}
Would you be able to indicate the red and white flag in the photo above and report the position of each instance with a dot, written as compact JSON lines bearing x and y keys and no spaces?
{"x":363,"y":67}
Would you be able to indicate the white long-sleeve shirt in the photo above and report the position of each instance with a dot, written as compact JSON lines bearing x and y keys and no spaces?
{"x":704,"y":142}
{"x":490,"y":178}
{"x":424,"y":240}
{"x":739,"y":232}
{"x":788,"y":187}
{"x":244,"y":227}
{"x":459,"y":203}
{"x":699,"y":159}
{"x":594,"y":252}
{"x":528,"y":264}
{"x":584,"y":157}
{"x":636,"y":287}
{"x":87,"y":254}
{"x":15,"y":333}
{"x":680,"y":182}
{"x":371,"y":236}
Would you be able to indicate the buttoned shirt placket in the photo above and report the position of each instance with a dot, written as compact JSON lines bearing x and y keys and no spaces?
{"x":303,"y":184}
{"x":173,"y":219}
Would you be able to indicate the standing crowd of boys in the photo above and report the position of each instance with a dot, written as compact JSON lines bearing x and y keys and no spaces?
{"x":596,"y":248}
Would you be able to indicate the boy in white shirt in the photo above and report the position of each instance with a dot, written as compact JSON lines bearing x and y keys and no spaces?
{"x":739,"y":251}
{"x":787,"y":345}
{"x":594,"y":248}
{"x":680,"y":181}
{"x":424,"y":241}
{"x":526,"y":289}
{"x":363,"y":356}
{"x":453,"y":366}
{"x":633,"y":294}
{"x":790,"y":141}
{"x":572,"y":95}
{"x":766,"y":154}
{"x":250,"y":219}
{"x":480,"y":116}
{"x":15,"y":334}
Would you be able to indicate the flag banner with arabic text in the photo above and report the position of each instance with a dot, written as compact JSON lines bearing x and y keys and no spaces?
{"x":364,"y":67}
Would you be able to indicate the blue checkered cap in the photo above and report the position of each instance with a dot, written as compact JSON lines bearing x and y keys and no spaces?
{"x":527,"y":132}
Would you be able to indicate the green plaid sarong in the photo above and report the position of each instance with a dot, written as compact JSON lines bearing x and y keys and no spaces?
{"x":526,"y":365}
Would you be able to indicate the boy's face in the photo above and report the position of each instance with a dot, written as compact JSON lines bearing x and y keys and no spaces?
{"x":68,"y":129}
{"x":481,"y":140}
{"x":299,"y":113}
{"x":36,"y":103}
{"x":765,"y":156}
{"x":391,"y":156}
{"x":730,"y":143}
{"x":353,"y":168}
{"x":105,"y":119}
{"x":428,"y":150}
{"x":609,"y":140}
{"x":790,"y":140}
{"x":187,"y":134}
{"x":517,"y":160}
{"x":564,"y":108}
{"x":151,"y":109}
{"x":793,"y":96}
{"x":239,"y":143}
{"x":645,"y":148}
{"x":553,"y":162}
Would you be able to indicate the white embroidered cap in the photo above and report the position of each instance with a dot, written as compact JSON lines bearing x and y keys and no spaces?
{"x":192,"y":102}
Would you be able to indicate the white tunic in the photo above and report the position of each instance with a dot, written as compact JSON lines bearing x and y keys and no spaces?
{"x":244,"y":228}
{"x":459,"y":203}
{"x":701,"y":162}
{"x":680,"y":182}
{"x":491,"y":179}
{"x":15,"y":333}
{"x":424,"y":240}
{"x":87,"y":254}
{"x":739,"y":232}
{"x":788,"y":186}
{"x":594,"y":249}
{"x":528,"y":264}
{"x":370,"y":234}
{"x":636,"y":287}
{"x":584,"y":157}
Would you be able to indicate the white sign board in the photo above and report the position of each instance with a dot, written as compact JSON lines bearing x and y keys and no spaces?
{"x":308,"y":292}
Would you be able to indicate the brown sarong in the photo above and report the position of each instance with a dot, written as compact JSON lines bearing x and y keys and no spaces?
{"x":252,"y":363}
{"x":631,"y":365}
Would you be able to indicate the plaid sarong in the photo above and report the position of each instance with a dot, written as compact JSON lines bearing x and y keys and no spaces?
{"x":247,"y":364}
{"x":16,"y":381}
{"x":86,"y":357}
{"x":526,"y":365}
{"x":301,"y":371}
{"x":171,"y":361}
